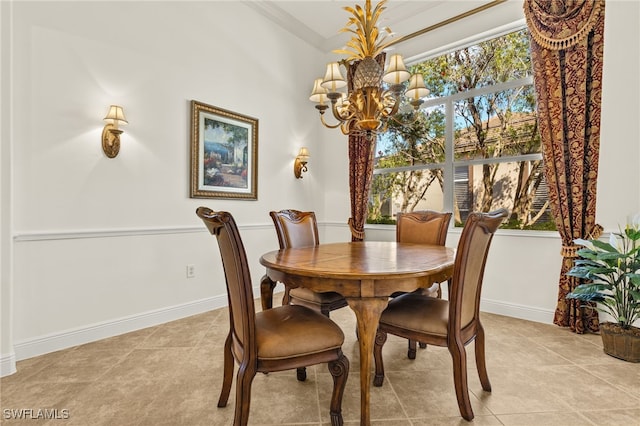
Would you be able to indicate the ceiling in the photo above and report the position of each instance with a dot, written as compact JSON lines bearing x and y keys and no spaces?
{"x":318,"y":22}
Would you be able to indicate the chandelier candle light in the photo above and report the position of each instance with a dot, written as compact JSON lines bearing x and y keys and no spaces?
{"x":376,"y":94}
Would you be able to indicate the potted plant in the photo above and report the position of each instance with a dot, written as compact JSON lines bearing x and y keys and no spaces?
{"x":613,"y":272}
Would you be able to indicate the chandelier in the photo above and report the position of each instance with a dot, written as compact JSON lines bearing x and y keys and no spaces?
{"x":376,"y":94}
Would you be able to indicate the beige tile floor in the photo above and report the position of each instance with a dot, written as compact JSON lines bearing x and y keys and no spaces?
{"x":171,"y":375}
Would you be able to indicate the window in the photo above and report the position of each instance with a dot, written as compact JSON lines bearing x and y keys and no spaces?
{"x":474,"y":145}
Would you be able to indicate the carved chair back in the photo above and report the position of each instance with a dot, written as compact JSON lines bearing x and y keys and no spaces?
{"x":295,"y":228}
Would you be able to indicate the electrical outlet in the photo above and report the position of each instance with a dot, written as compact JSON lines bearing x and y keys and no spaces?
{"x":191,"y":271}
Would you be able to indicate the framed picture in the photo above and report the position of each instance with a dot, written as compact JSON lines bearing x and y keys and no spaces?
{"x":224,"y":153}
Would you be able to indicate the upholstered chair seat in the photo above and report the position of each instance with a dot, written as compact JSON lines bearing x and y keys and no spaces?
{"x":302,"y":295}
{"x":418,"y":313}
{"x":286,"y":331}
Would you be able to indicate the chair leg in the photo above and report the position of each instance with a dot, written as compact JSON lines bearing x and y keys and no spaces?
{"x":411,"y":352}
{"x":243,"y":395}
{"x":227,"y":373}
{"x":459,"y":357}
{"x":339,"y":369}
{"x":480,"y":359}
{"x":266,"y":292}
{"x":301,"y":374}
{"x":381,"y":338}
{"x":440,"y":288}
{"x":286,"y":298}
{"x":421,"y":344}
{"x":325,"y":310}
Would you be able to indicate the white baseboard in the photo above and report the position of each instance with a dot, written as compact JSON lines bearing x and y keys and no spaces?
{"x":517,"y":311}
{"x":7,"y":364}
{"x":69,"y":338}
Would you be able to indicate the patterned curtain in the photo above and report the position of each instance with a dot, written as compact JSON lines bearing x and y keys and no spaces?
{"x":567,"y":50}
{"x":361,"y":150}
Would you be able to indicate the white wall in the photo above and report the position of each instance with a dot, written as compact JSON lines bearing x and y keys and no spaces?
{"x":7,"y":354}
{"x":93,"y":246}
{"x":101,"y":245}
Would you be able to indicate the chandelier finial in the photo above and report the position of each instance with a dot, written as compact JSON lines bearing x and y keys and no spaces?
{"x":367,"y":40}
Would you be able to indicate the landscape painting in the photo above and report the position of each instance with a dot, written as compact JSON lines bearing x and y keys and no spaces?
{"x":224,"y":153}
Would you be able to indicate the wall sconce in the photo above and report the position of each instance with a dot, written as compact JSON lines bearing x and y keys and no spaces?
{"x":111,"y":133}
{"x":300,"y":165}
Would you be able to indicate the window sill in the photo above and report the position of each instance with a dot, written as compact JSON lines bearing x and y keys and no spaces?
{"x":457,"y":230}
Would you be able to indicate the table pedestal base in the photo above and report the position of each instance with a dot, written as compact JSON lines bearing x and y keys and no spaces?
{"x":368,"y":311}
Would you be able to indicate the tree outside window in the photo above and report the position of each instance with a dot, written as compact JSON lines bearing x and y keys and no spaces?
{"x":475,"y":145}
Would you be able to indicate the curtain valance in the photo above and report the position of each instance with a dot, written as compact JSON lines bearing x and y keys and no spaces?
{"x":560,"y":24}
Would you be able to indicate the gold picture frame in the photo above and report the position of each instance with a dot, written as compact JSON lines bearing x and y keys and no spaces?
{"x":224,"y":153}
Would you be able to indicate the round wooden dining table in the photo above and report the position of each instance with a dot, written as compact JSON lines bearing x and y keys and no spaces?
{"x":366,"y":274}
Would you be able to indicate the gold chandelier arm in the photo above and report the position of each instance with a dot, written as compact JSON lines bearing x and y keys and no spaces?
{"x":342,"y":117}
{"x":405,"y":123}
{"x":391,"y":102}
{"x":345,"y":128}
{"x":389,"y":112}
{"x":395,"y":108}
{"x":331,"y":126}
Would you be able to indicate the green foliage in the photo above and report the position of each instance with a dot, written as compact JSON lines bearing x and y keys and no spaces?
{"x":613,"y":271}
{"x":421,"y":142}
{"x":382,"y":220}
{"x":496,"y":124}
{"x":535,"y":226}
{"x":484,"y":64}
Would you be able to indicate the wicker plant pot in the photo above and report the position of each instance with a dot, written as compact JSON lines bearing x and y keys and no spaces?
{"x":621,"y":343}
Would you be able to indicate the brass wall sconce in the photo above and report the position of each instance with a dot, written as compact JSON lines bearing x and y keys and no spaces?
{"x":300,"y":165}
{"x":111,"y":132}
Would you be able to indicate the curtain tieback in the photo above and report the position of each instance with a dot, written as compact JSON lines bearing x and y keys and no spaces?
{"x":571,"y":251}
{"x":355,"y":232}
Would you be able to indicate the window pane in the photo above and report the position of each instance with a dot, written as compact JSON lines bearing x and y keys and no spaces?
{"x":422,"y":142}
{"x":490,"y":62}
{"x":485,"y":97}
{"x":498,"y":124}
{"x":519,"y":187}
{"x":404,"y":192}
{"x":462,"y":194}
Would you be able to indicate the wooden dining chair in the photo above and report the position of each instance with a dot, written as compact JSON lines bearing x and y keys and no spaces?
{"x":296,"y":228}
{"x":282,"y":338}
{"x":452,"y":323}
{"x":422,"y":227}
